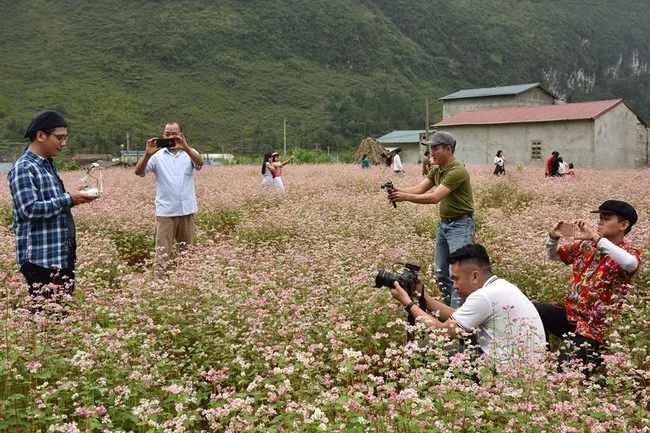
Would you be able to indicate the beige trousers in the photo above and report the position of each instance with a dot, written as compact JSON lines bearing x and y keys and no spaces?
{"x":168,"y":230}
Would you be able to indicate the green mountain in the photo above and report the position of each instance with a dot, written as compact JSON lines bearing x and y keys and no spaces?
{"x":337,"y":70}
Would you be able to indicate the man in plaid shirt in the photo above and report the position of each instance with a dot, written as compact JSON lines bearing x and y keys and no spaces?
{"x":42,"y":221}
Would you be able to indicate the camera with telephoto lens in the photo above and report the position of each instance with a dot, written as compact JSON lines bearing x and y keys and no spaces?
{"x":407,"y":278}
{"x":388,"y":186}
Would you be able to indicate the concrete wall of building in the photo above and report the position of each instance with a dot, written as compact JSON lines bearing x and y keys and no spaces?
{"x":616,"y":139}
{"x":642,"y":146}
{"x":535,"y":96}
{"x":479,"y":144}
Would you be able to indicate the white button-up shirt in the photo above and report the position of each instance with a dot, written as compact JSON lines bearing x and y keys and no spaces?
{"x":175,"y":193}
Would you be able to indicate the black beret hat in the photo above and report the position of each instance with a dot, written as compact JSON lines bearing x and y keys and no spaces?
{"x":44,"y":121}
{"x":625,"y":210}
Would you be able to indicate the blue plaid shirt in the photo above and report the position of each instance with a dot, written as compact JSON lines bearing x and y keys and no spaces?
{"x":41,"y":213}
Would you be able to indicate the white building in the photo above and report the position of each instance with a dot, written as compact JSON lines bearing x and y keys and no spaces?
{"x":598,"y":134}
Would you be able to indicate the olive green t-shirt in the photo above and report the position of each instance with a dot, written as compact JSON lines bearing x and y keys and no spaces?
{"x":456,"y":178}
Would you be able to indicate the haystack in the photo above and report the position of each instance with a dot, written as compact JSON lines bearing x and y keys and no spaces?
{"x":371,"y":147}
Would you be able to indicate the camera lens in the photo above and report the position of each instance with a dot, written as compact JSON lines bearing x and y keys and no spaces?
{"x":385,"y":278}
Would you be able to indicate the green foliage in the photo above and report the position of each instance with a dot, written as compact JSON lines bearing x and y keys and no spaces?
{"x":267,"y":236}
{"x":336,"y":71}
{"x":68,"y":164}
{"x":425,"y":227}
{"x":133,"y":247}
{"x":311,"y":156}
{"x":213,"y":223}
{"x":505,"y":194}
{"x":6,"y":219}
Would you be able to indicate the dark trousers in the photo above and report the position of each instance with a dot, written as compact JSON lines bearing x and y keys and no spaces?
{"x":555,"y":322}
{"x":46,"y":282}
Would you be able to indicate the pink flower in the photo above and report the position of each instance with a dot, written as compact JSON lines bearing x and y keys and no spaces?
{"x":216,"y":375}
{"x":33,"y":366}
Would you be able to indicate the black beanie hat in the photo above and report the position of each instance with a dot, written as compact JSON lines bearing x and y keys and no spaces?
{"x":45,"y":120}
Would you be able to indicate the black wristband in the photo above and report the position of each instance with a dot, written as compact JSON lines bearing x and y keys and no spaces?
{"x":409,"y":306}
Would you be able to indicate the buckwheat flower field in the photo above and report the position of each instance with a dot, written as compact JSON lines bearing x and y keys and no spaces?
{"x":271,"y":324}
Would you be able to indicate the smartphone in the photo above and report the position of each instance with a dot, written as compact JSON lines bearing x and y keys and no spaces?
{"x":568,"y":229}
{"x":165,"y":142}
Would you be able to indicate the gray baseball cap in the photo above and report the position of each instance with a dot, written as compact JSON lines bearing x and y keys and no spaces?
{"x":440,"y":137}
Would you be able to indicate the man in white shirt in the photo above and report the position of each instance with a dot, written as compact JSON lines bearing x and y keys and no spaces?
{"x":398,"y":168}
{"x":506,"y":323}
{"x":175,"y":195}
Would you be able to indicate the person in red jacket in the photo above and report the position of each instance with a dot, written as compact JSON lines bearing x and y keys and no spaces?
{"x":549,"y":164}
{"x":603,"y":265}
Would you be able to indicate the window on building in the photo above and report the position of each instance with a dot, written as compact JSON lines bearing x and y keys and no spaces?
{"x":536,"y":150}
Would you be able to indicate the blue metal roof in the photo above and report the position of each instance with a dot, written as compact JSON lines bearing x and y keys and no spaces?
{"x":494,"y":91}
{"x":405,"y":136}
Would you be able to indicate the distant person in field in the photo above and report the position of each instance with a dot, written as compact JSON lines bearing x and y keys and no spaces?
{"x":570,"y":173}
{"x":500,"y":164}
{"x":365,"y":162}
{"x":42,"y":221}
{"x":603,"y":265}
{"x":267,"y":171}
{"x":503,"y":319}
{"x":551,"y":164}
{"x":176,"y":202}
{"x":562,"y":166}
{"x":388,"y":158}
{"x":277,"y":173}
{"x":453,"y":193}
{"x":398,"y":168}
{"x":426,"y":163}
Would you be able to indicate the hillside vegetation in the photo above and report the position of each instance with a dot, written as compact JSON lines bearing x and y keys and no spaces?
{"x":337,"y":70}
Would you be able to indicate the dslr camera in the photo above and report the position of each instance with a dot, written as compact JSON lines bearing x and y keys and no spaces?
{"x":407,"y":278}
{"x":388,"y":186}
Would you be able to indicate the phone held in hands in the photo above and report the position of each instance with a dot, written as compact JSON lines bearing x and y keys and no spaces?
{"x":568,"y":229}
{"x":164,"y":142}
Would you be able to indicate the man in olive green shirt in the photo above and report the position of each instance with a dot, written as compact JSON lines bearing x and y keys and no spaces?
{"x":453,"y":192}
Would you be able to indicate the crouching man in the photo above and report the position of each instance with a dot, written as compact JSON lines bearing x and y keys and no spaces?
{"x":504,"y":320}
{"x":603,"y":265}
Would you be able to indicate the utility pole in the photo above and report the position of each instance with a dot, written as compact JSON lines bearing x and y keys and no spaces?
{"x":426,"y":113}
{"x":285,"y":136}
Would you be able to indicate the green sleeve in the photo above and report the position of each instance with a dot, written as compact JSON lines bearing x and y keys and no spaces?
{"x":432,"y":173}
{"x":455,"y":178}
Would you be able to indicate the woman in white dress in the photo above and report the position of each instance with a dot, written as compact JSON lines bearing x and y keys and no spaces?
{"x":267,"y":172}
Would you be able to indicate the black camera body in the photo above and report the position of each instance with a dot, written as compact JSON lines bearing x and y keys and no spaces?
{"x":407,"y":278}
{"x":388,"y":186}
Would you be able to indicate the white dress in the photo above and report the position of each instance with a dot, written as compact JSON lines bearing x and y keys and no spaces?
{"x":267,"y":180}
